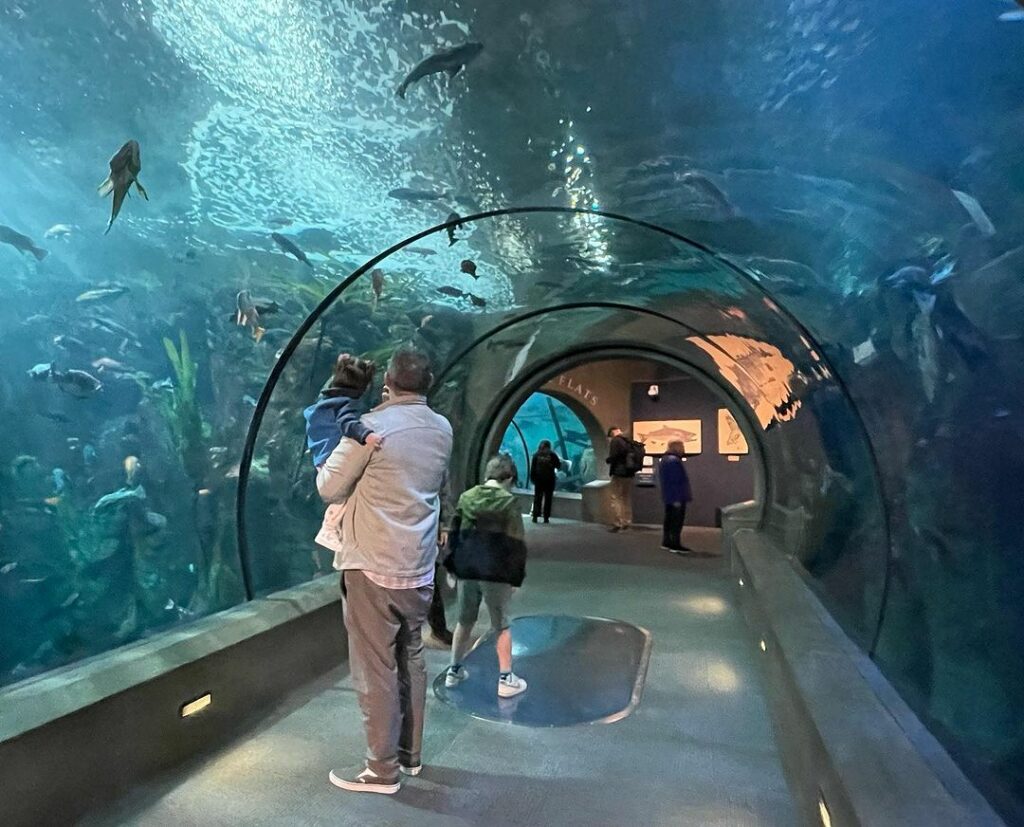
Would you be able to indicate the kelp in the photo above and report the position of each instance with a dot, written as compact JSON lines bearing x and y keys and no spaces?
{"x":180,"y":409}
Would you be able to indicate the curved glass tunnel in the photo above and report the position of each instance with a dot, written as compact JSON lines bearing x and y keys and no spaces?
{"x":859,"y":161}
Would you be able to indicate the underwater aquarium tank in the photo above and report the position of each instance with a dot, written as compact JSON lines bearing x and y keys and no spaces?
{"x":186,"y":181}
{"x":544,"y":417}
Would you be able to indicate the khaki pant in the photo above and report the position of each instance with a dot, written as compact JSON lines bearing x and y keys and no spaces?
{"x":622,"y":501}
{"x":385,"y":653}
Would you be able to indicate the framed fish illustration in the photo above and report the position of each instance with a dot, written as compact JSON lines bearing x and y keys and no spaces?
{"x":656,"y":435}
{"x":730,"y":438}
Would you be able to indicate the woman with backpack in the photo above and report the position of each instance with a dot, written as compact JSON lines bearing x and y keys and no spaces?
{"x":543,"y":468}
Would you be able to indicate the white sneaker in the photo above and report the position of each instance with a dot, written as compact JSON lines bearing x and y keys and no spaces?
{"x":455,"y":675}
{"x":510,"y":685}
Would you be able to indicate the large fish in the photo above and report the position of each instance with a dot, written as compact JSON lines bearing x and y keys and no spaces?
{"x":290,"y":247}
{"x":21,"y":242}
{"x":125,"y":167}
{"x":409,"y":194}
{"x":448,"y":60}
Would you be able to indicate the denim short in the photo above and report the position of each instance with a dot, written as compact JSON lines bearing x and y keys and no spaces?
{"x":496,"y":596}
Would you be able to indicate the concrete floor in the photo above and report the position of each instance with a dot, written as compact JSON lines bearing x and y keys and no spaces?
{"x":698,"y":750}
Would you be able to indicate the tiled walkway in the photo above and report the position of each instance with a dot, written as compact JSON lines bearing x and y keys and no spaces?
{"x":698,"y":750}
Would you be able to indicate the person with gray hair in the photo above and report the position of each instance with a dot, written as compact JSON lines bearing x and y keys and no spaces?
{"x":385,"y":549}
{"x":488,"y":556}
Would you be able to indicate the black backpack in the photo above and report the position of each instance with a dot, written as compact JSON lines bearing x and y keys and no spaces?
{"x":635,"y":454}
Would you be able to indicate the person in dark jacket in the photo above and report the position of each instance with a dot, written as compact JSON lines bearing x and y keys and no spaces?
{"x":542,"y":474}
{"x":337,"y":413}
{"x":621,"y":479}
{"x":488,"y":556}
{"x":675,"y":493}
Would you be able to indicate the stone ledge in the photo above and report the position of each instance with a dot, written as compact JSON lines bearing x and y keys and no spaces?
{"x":37,"y":701}
{"x":839,"y":736}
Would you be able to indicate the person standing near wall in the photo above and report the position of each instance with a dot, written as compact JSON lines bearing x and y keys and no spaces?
{"x":675,"y":494}
{"x":621,"y":468}
{"x":543,"y":470}
{"x":386,"y":550}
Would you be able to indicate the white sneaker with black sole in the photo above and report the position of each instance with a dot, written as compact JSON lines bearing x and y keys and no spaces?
{"x":455,"y":675}
{"x":510,"y":685}
{"x":364,"y":781}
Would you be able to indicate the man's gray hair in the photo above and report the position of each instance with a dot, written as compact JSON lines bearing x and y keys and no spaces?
{"x":409,"y":370}
{"x":500,"y":468}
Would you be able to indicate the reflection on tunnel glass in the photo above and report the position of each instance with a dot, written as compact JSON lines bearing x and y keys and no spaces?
{"x":875,"y":202}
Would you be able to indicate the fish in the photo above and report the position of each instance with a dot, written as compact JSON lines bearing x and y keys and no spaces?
{"x":447,"y":60}
{"x":450,"y":291}
{"x":105,"y":363}
{"x":53,"y":502}
{"x":249,"y":400}
{"x":290,"y":247}
{"x":248,"y":316}
{"x":125,"y":167}
{"x":98,"y":294}
{"x":451,"y":230}
{"x":70,"y":599}
{"x":60,"y":231}
{"x":61,"y":480}
{"x":266,"y":307}
{"x":132,"y":466}
{"x":468,"y":266}
{"x":421,"y":251}
{"x":66,"y":342}
{"x":20,"y":242}
{"x":8,"y":568}
{"x":77,"y":383}
{"x":407,"y":194}
{"x":1015,"y":14}
{"x":112,"y":327}
{"x":162,"y":385}
{"x":40,"y":371}
{"x":977,"y":214}
{"x":477,"y":301}
{"x":377,"y":283}
{"x":56,"y":416}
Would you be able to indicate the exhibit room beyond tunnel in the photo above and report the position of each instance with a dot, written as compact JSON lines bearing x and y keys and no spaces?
{"x":778,"y":247}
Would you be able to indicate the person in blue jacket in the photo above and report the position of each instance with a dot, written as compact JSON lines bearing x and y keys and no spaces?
{"x":337,"y":413}
{"x":675,"y":493}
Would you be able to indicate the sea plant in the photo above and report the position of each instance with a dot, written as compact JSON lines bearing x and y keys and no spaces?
{"x":180,"y":408}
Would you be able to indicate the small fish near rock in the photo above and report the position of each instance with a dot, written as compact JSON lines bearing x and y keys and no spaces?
{"x":476,"y":300}
{"x":20,"y":242}
{"x":468,"y":267}
{"x":450,"y":61}
{"x":448,"y":290}
{"x":103,"y":293}
{"x":41,"y":371}
{"x":76,"y":383}
{"x":60,"y":231}
{"x":247,"y":315}
{"x":125,"y":167}
{"x":451,"y":229}
{"x":291,"y":248}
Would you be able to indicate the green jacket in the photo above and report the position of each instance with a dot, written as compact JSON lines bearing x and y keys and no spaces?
{"x":487,"y":538}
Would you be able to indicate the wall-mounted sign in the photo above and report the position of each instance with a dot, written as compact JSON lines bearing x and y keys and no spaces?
{"x":658,"y":434}
{"x":730,"y":438}
{"x":576,"y":388}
